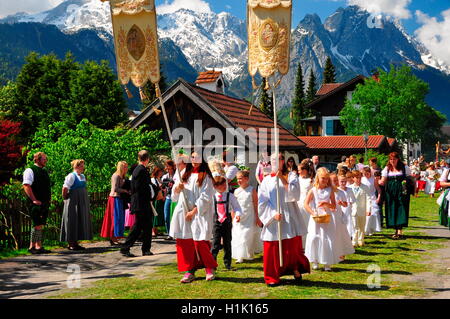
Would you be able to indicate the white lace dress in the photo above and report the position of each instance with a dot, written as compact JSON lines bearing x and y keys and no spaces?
{"x":246,"y":235}
{"x":321,"y":241}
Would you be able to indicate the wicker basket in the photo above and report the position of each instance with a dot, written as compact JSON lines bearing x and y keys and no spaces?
{"x":322,"y":219}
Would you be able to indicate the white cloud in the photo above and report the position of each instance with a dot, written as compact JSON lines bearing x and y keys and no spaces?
{"x":8,"y":7}
{"x":434,"y":34}
{"x":175,"y":5}
{"x":394,"y":8}
{"x":228,"y":7}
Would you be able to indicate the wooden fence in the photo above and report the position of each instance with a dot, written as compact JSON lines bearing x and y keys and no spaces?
{"x":15,"y":221}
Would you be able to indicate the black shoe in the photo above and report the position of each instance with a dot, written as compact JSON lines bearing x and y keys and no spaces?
{"x":168,"y":238}
{"x":32,"y":251}
{"x":147,"y":253}
{"x":273,"y":284}
{"x":42,"y":250}
{"x":113,"y":243}
{"x":298,"y":280}
{"x":229,"y":268}
{"x":126,"y":253}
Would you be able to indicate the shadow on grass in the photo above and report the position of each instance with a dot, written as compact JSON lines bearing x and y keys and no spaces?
{"x":396,"y":272}
{"x":355,"y":261}
{"x":332,"y":285}
{"x":368,"y":253}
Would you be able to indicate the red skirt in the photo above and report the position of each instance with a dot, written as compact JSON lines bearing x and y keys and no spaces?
{"x":114,"y":219}
{"x":194,"y":255}
{"x":293,"y":259}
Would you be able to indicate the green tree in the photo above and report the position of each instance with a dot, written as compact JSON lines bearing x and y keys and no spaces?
{"x":48,"y":90}
{"x":101,"y":149}
{"x":298,"y":103}
{"x":95,"y":94}
{"x":311,"y":90}
{"x":393,"y":106}
{"x":266,"y":100}
{"x":329,"y":73}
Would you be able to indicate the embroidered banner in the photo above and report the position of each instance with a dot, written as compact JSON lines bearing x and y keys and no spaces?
{"x":135,"y":41}
{"x":269,"y":32}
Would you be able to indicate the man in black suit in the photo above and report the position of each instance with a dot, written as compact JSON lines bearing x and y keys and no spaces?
{"x":141,"y":195}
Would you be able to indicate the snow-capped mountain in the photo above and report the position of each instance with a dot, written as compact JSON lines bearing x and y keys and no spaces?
{"x":210,"y":40}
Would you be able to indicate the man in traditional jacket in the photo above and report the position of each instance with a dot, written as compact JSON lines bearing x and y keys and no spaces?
{"x":36,"y":183}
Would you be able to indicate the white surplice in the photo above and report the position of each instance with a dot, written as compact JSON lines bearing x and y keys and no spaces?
{"x":201,"y":226}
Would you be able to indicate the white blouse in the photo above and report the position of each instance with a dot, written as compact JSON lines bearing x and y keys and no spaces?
{"x":386,"y":173}
{"x":70,"y":179}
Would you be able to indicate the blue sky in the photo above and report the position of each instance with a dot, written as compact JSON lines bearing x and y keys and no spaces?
{"x":427,"y":20}
{"x":325,"y":8}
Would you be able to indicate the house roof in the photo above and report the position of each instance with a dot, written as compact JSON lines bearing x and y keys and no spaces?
{"x":342,"y":142}
{"x":236,"y":110}
{"x":340,"y":87}
{"x":231,"y":112}
{"x":391,"y":141}
{"x":208,"y":76}
{"x":327,"y":88}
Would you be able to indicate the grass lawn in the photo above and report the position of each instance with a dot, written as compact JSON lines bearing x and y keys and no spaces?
{"x":347,"y":280}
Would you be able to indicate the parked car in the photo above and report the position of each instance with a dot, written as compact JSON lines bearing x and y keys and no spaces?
{"x":331,"y":166}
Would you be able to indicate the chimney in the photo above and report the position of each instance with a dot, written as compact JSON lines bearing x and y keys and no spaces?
{"x":211,"y":80}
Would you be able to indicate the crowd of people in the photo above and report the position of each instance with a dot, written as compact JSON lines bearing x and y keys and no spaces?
{"x":297,"y":215}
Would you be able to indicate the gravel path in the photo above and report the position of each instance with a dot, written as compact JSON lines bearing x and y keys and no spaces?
{"x":40,"y":276}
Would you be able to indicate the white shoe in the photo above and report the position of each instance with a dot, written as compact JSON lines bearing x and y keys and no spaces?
{"x":327,"y":268}
{"x":187,"y":278}
{"x":210,"y":276}
{"x":315,"y":266}
{"x":239,"y":261}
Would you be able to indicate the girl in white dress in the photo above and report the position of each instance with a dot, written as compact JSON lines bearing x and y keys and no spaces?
{"x":305,"y":180}
{"x":321,"y":240}
{"x":246,"y":231}
{"x":373,"y":222}
{"x":431,"y":181}
{"x":343,"y":240}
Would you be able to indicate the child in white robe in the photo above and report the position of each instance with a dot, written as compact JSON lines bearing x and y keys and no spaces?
{"x":246,"y":231}
{"x":305,"y":180}
{"x":294,"y":261}
{"x":192,"y":220}
{"x":321,"y":241}
{"x":350,"y":199}
{"x":373,"y":222}
{"x":361,"y":208}
{"x":343,"y":239}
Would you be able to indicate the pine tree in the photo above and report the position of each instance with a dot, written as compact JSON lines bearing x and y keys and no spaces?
{"x":329,"y":73}
{"x":311,"y":90}
{"x":266,"y":101}
{"x":298,"y":103}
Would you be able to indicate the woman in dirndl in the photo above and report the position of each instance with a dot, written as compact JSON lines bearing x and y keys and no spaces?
{"x":394,"y":177}
{"x":76,"y":220}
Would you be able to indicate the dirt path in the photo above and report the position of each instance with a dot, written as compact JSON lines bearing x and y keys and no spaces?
{"x":40,"y":276}
{"x":437,"y":280}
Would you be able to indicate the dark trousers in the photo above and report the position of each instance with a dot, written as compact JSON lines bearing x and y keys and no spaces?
{"x":144,"y":225}
{"x":222,"y":231}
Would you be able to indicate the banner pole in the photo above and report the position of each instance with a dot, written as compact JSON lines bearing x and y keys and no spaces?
{"x":277,"y":151}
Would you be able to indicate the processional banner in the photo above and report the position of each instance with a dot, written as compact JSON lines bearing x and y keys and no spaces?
{"x":269,"y":32}
{"x":135,"y":41}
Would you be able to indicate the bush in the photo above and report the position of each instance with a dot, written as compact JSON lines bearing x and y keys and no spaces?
{"x":101,"y":149}
{"x":382,"y":159}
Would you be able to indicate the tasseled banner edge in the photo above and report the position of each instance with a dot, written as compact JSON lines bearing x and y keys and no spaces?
{"x":158,"y":95}
{"x":142,"y":94}
{"x":129,"y":95}
{"x":254,"y":84}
